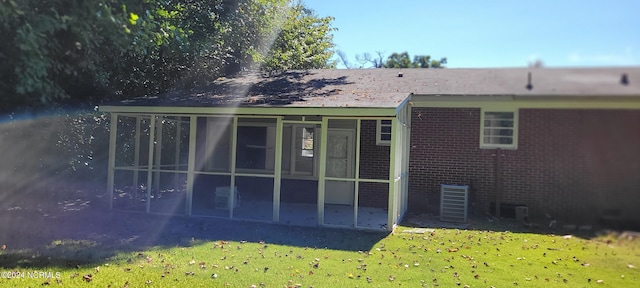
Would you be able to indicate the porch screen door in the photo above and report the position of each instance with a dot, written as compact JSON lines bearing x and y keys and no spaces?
{"x":340,"y":144}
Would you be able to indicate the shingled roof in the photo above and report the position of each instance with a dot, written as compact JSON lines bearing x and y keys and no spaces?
{"x":388,"y":87}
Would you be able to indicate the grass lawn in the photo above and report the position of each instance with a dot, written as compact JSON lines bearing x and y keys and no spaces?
{"x":312,"y":257}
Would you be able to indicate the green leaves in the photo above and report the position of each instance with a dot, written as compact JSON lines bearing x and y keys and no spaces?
{"x":133,"y":18}
{"x":75,"y":51}
{"x":304,"y":42}
{"x":402,"y":60}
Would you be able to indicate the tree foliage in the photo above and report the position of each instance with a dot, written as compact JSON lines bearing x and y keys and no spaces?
{"x":81,"y":50}
{"x":305,"y":42}
{"x":402,"y":60}
{"x":52,"y":45}
{"x":395,"y":60}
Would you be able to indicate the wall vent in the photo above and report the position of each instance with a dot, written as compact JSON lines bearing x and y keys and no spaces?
{"x":453,"y":203}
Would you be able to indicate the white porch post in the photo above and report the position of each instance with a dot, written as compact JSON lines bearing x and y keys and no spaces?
{"x":113,"y":126}
{"x":152,"y":136}
{"x":158,"y":155}
{"x":191,"y":164}
{"x":392,"y":173}
{"x":176,"y":158}
{"x":234,"y":150}
{"x":322,"y":169}
{"x":277,"y":171}
{"x":136,"y":153}
{"x":406,"y":149}
{"x":357,"y":180}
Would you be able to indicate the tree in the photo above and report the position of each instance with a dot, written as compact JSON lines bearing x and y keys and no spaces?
{"x":398,"y":60}
{"x":50,"y":47}
{"x":402,"y":60}
{"x":304,"y":41}
{"x":83,"y":50}
{"x":344,"y":59}
{"x":367,"y":59}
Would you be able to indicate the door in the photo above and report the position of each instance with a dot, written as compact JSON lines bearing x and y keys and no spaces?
{"x":340,"y":164}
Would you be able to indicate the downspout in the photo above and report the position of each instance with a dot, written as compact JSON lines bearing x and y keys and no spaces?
{"x":498,"y":172}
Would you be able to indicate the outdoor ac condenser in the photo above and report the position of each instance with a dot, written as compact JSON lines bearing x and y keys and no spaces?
{"x":223,"y":197}
{"x":453,"y":203}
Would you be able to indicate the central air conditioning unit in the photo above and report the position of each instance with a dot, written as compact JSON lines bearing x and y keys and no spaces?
{"x":453,"y":203}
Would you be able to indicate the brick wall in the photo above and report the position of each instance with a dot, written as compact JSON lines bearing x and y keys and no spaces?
{"x":374,"y":164}
{"x":569,"y":163}
{"x":374,"y":159}
{"x":373,"y":195}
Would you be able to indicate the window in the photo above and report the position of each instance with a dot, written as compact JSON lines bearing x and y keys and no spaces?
{"x":298,"y":149}
{"x":304,"y":151}
{"x":255,"y":146}
{"x":383,"y":133}
{"x":307,"y":142}
{"x":499,"y":129}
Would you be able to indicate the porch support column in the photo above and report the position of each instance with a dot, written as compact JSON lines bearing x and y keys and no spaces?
{"x":322,"y":168}
{"x":357,"y":180}
{"x":392,"y":209}
{"x":152,"y":137}
{"x":406,"y":150}
{"x":191,"y":164}
{"x":277,"y":167}
{"x":158,"y":155}
{"x":234,"y":150}
{"x":176,"y":158}
{"x":113,"y":126}
{"x":136,"y":154}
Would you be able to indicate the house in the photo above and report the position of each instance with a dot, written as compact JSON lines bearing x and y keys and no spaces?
{"x":360,"y":148}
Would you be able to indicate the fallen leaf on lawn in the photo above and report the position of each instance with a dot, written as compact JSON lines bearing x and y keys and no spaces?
{"x":87,"y":277}
{"x":631,"y":266}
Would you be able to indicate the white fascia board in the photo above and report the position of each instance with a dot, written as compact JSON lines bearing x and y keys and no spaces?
{"x":526,"y":102}
{"x":324,"y":111}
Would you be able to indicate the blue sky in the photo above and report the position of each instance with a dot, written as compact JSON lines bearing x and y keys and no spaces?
{"x":561,"y":33}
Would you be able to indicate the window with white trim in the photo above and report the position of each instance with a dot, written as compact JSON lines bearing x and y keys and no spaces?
{"x":499,"y":129}
{"x":383,"y":133}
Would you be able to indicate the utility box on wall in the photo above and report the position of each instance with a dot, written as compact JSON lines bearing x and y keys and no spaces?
{"x":453,"y":203}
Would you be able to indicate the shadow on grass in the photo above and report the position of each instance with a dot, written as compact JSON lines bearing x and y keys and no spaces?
{"x":93,"y":236}
{"x":490,"y":223}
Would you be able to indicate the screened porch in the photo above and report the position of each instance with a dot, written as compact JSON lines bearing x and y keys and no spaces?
{"x":307,"y":170}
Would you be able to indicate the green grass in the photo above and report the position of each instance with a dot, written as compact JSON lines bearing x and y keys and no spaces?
{"x":444,"y":258}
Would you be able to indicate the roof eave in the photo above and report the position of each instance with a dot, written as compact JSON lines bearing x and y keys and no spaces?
{"x":324,"y":111}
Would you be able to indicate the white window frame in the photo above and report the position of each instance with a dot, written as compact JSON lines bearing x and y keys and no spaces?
{"x":294,"y":150}
{"x":514,"y":144}
{"x":379,"y":140}
{"x":270,"y":144}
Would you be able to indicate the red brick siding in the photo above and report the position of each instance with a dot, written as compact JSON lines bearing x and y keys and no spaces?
{"x":445,"y":150}
{"x":373,"y":195}
{"x":569,"y":163}
{"x":374,"y":159}
{"x":374,"y":164}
